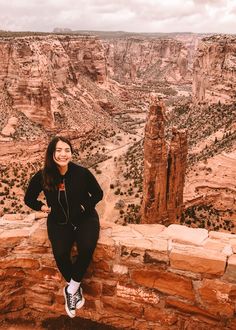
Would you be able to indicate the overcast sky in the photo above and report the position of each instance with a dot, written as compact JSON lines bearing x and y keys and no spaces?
{"x":121,"y":15}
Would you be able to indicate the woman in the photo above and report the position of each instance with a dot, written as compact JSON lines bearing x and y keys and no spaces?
{"x":72,"y":193}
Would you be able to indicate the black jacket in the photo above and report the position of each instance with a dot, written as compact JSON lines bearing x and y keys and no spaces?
{"x":82,"y":194}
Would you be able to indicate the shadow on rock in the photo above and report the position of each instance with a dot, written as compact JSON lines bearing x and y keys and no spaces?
{"x":65,"y":323}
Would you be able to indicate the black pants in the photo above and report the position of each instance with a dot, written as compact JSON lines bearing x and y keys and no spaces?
{"x":63,"y":237}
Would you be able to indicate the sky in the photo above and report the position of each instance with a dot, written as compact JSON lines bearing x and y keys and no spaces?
{"x":199,"y":16}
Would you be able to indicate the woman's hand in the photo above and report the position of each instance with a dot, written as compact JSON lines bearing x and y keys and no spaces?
{"x":45,"y":209}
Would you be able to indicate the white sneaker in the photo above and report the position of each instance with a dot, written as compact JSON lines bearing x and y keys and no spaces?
{"x":70,"y":302}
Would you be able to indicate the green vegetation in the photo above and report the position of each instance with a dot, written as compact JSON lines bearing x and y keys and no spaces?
{"x":202,"y":121}
{"x":206,"y":216}
{"x":13,"y":185}
{"x":130,"y":215}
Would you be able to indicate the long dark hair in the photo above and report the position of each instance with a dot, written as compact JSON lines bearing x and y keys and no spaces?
{"x":51,"y":174}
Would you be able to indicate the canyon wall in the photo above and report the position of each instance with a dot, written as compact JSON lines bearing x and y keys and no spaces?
{"x":70,"y":82}
{"x":164,"y":171}
{"x":39,"y":74}
{"x":141,"y":277}
{"x":214,"y":75}
{"x":147,"y":60}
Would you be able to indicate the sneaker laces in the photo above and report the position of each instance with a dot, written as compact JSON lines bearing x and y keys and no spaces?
{"x":71,"y":300}
{"x":78,"y":294}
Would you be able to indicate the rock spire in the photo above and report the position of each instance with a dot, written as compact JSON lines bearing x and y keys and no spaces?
{"x":164,"y":171}
{"x":177,"y":162}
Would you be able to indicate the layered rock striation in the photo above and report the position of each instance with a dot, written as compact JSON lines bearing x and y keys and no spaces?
{"x":40,"y":73}
{"x":164,"y":172}
{"x":166,"y":278}
{"x":147,"y":60}
{"x":214,"y":74}
{"x":69,"y":81}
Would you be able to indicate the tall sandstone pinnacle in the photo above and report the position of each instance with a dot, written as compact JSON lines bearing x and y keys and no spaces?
{"x":155,"y":169}
{"x":164,"y":172}
{"x":177,"y":162}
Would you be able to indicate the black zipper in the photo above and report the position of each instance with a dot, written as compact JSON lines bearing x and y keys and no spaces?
{"x":58,"y":198}
{"x":67,"y":216}
{"x":68,"y":210}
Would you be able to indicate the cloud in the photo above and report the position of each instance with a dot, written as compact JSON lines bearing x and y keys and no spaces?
{"x":210,"y":2}
{"x":126,"y":15}
{"x":163,"y":11}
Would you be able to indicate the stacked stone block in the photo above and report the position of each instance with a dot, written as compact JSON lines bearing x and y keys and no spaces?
{"x":142,"y":276}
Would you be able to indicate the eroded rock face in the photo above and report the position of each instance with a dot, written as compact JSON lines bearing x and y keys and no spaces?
{"x":36,"y":71}
{"x":155,"y":166}
{"x":214,"y":75}
{"x":87,"y":57}
{"x":164,"y":171}
{"x":9,"y":129}
{"x":177,"y":163}
{"x":145,"y":60}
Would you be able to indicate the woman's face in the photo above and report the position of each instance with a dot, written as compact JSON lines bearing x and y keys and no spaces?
{"x":62,"y":155}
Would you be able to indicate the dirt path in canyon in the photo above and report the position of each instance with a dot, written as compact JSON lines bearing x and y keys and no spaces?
{"x":109,"y":176}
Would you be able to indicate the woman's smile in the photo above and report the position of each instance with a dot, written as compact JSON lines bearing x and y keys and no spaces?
{"x":62,"y":155}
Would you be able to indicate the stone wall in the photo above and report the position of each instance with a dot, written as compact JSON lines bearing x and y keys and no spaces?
{"x":142,"y":276}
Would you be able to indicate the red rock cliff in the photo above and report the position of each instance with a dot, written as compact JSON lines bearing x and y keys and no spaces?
{"x":146,"y":60}
{"x":214,"y":75}
{"x":36,"y":71}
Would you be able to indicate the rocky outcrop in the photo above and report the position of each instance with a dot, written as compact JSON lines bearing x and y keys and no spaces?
{"x":147,"y":60}
{"x":214,"y":75}
{"x":164,"y":172}
{"x":87,"y":57}
{"x":40,"y":73}
{"x":9,"y":129}
{"x":177,"y":163}
{"x":155,"y":166}
{"x":61,"y":30}
{"x":166,"y":278}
